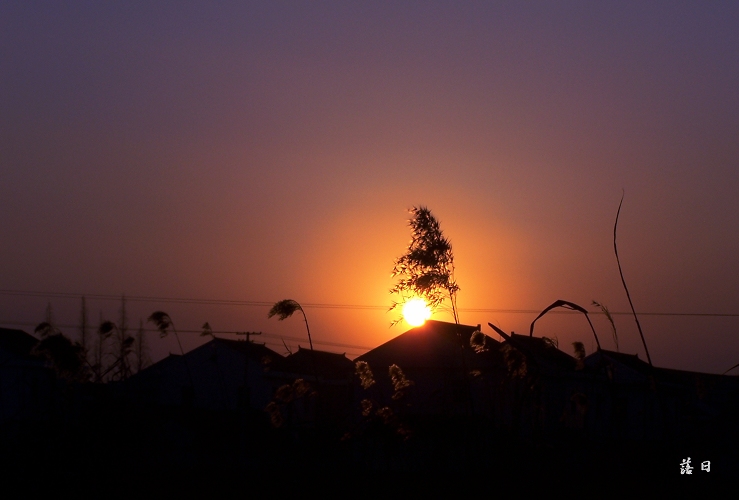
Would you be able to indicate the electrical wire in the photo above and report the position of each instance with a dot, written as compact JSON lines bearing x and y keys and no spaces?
{"x":317,"y":305}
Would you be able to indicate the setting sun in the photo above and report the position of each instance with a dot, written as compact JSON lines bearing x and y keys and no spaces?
{"x":416,"y":312}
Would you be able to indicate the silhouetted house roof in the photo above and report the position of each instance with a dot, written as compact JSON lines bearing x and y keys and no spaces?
{"x":306,"y":364}
{"x":622,"y":368}
{"x":27,"y":384}
{"x":258,"y":352}
{"x":434,"y":345}
{"x":447,"y":373}
{"x":219,"y":375}
{"x":17,"y":342}
{"x":541,"y":352}
{"x":682,"y":377}
{"x":173,"y":361}
{"x":628,"y":369}
{"x":329,"y":398}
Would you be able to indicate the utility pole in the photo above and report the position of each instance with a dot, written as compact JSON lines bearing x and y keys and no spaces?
{"x":121,"y":348}
{"x":248,"y":335}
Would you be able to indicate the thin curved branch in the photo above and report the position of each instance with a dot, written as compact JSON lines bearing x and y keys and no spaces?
{"x":628,"y":295}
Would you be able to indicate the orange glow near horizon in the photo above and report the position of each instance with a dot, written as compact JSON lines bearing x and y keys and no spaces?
{"x":416,"y":312}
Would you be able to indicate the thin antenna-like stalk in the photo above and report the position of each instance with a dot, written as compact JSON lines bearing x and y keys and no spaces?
{"x":83,"y":326}
{"x":99,"y":355}
{"x":141,"y":347}
{"x":122,"y":348}
{"x":628,"y":295}
{"x":184,"y":358}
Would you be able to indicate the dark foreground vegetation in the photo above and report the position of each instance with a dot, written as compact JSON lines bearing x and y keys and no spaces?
{"x":521,"y":410}
{"x":115,"y":452}
{"x":441,"y":406}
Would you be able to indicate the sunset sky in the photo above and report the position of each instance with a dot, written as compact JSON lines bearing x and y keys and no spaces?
{"x":258,"y":151}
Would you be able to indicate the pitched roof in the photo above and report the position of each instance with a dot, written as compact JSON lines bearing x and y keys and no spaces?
{"x":17,"y":341}
{"x":250,"y":349}
{"x":434,"y":344}
{"x":541,"y":350}
{"x":630,"y":360}
{"x":327,"y":364}
{"x":628,"y":368}
{"x":158,"y":367}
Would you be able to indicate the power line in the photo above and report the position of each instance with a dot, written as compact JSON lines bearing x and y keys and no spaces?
{"x":613,"y":313}
{"x":219,"y":332}
{"x":178,"y":300}
{"x":135,"y":298}
{"x":319,"y":305}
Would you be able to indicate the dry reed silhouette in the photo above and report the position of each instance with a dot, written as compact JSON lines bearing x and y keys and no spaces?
{"x":605,"y":311}
{"x":284,"y":309}
{"x":366,"y":377}
{"x":579,"y":349}
{"x":566,"y":305}
{"x":623,"y":281}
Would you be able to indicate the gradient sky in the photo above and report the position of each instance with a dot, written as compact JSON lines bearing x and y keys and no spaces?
{"x":258,"y":151}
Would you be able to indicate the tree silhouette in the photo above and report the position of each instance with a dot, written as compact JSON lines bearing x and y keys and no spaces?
{"x":104,"y":332}
{"x":66,"y":357}
{"x":45,"y":329}
{"x":427,"y":268}
{"x":207,"y":330}
{"x":123,"y":349}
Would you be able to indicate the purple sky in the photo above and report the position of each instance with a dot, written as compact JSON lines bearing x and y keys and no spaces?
{"x":262,"y":151}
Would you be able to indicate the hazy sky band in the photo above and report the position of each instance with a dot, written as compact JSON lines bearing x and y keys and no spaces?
{"x":269,"y":150}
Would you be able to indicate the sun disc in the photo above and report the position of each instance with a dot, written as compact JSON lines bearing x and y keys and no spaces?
{"x":416,"y":312}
